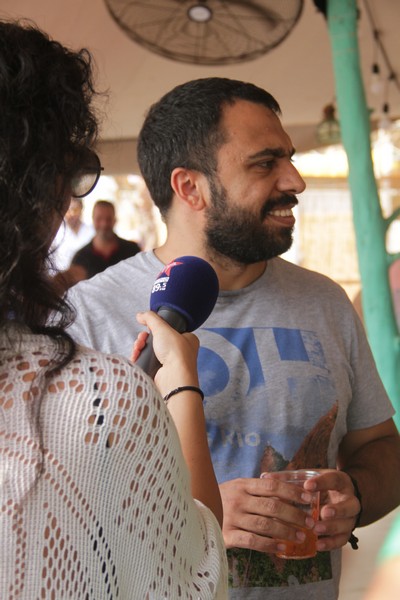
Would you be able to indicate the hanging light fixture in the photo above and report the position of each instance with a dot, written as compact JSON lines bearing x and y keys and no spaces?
{"x":328,"y":130}
{"x":376,"y":83}
{"x":384,"y":121}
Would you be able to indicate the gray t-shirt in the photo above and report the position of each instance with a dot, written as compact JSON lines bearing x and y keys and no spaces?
{"x":286,"y":370}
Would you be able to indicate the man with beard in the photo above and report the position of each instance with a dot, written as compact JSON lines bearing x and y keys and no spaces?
{"x":288,"y":376}
{"x":105,"y":249}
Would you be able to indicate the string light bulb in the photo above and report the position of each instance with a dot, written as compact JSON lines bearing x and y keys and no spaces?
{"x":385,"y":122}
{"x":376,"y":85}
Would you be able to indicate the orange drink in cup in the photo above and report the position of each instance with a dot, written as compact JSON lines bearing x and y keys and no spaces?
{"x":307,"y":548}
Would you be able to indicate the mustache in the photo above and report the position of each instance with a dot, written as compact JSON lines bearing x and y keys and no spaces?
{"x":281,"y":202}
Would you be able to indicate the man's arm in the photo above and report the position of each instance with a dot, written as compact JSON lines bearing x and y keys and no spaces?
{"x":256,"y":515}
{"x":372,"y":458}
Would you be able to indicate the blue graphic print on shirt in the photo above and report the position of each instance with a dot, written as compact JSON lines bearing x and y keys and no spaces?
{"x":270,"y":405}
{"x":265,"y":387}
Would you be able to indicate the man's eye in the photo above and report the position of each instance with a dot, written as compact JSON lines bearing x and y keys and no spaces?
{"x":267,"y":164}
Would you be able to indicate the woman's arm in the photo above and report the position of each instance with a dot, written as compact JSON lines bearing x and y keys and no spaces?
{"x":177,"y":354}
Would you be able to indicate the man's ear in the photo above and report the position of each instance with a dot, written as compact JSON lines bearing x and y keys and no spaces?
{"x":189,"y":186}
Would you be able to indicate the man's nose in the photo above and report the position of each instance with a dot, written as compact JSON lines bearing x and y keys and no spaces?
{"x":290,"y":180}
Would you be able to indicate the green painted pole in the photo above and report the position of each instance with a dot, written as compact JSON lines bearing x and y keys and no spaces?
{"x":370,"y":226}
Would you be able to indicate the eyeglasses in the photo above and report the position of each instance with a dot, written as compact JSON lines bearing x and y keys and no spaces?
{"x":87,"y":176}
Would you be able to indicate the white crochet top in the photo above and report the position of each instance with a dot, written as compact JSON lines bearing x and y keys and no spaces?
{"x":95,"y":503}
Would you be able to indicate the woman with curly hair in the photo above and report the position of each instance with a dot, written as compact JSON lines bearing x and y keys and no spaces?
{"x":96,"y":500}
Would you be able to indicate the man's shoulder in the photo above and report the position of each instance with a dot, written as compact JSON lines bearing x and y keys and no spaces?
{"x":128,"y":244}
{"x":297,"y":273}
{"x":308,"y":288}
{"x":82,"y":253}
{"x":106,"y":304}
{"x":123,"y":277}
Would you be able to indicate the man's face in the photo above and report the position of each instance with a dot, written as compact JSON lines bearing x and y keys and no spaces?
{"x":249,"y":218}
{"x":74,"y":213}
{"x":104,"y":221}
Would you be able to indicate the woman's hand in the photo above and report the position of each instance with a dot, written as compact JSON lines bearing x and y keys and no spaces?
{"x":177,"y":352}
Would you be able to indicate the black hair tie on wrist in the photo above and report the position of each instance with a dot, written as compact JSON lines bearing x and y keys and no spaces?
{"x":353,"y":540}
{"x":183,"y":388}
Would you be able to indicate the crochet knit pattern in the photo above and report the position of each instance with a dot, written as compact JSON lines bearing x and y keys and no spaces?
{"x":95,"y":498}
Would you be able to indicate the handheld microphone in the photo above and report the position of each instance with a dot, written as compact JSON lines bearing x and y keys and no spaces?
{"x":184,"y":295}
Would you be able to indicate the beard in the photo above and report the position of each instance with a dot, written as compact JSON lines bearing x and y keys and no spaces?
{"x":242,"y":236}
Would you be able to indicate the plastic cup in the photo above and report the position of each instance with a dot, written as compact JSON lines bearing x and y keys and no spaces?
{"x":306,"y":549}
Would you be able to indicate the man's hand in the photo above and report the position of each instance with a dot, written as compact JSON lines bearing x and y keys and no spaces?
{"x":258,"y":513}
{"x":339,"y":508}
{"x":256,"y":516}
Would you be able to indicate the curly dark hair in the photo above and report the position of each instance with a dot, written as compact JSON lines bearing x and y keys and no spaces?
{"x":47,"y":125}
{"x":183,"y":129}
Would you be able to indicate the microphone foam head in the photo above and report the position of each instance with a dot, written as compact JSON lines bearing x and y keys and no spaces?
{"x":188,"y":285}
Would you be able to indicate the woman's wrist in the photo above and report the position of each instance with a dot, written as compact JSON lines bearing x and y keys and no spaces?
{"x":174,"y":377}
{"x":184,"y":388}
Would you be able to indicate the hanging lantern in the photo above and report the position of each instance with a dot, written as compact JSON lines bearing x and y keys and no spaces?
{"x":328,"y":131}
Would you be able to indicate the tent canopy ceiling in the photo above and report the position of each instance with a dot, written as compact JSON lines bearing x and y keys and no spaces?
{"x":298,"y":72}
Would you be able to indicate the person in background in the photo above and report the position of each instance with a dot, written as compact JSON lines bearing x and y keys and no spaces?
{"x":104,"y":250}
{"x":289,"y":378}
{"x":71,"y":236}
{"x":96,"y":499}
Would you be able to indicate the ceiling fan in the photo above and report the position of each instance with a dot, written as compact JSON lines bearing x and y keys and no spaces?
{"x":207,"y":32}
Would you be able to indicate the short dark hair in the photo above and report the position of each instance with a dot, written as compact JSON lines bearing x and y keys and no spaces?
{"x":182,"y":130}
{"x":46,"y":125}
{"x":105,"y":203}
